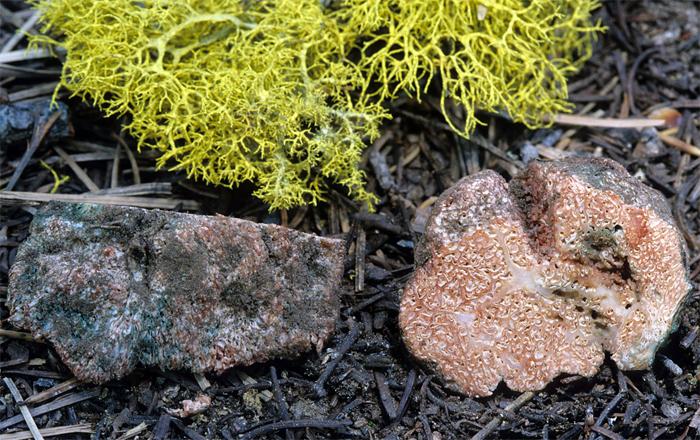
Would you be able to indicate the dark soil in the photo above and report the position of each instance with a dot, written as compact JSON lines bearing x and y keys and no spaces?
{"x":364,"y":384}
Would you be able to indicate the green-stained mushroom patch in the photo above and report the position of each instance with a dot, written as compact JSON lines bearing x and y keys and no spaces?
{"x":114,"y":287}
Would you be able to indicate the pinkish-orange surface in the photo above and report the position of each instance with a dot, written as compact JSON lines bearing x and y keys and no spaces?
{"x":523,"y":282}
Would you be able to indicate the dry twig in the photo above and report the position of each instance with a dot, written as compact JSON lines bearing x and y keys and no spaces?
{"x":589,"y":121}
{"x":82,"y":428}
{"x":52,"y":392}
{"x":19,"y":197}
{"x":493,"y":424}
{"x":28,"y":419}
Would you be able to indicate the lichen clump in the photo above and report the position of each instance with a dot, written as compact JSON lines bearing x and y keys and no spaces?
{"x":285,"y":93}
{"x":509,"y":56}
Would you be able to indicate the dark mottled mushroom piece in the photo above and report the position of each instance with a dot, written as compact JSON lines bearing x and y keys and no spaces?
{"x":113,"y":287}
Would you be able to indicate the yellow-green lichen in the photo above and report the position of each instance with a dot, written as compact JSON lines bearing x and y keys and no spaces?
{"x":265,"y":91}
{"x":509,"y":56}
{"x":229,"y":91}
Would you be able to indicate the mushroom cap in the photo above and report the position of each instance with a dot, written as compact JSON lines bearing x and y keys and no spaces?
{"x":526,"y":281}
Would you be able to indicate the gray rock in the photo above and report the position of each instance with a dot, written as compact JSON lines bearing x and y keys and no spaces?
{"x":113,"y":287}
{"x":17,"y":121}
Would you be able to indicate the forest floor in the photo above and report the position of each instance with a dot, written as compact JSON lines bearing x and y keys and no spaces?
{"x":649,"y":59}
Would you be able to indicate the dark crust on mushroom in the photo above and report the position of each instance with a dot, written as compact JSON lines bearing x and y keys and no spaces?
{"x":456,"y":200}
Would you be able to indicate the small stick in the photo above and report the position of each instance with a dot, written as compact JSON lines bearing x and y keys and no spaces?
{"x":51,"y":406}
{"x":621,"y":382}
{"x":162,"y":428}
{"x":24,"y":55}
{"x":84,"y":157}
{"x":132,"y":159}
{"x":16,"y":361}
{"x":403,"y":403}
{"x":695,"y":421}
{"x":385,"y":396}
{"x":629,"y":87}
{"x":140,"y":202}
{"x":281,"y":403}
{"x":134,"y":166}
{"x":362,"y":305}
{"x":247,"y":380}
{"x":380,"y":166}
{"x":18,"y":335}
{"x":33,"y":92}
{"x":28,"y":419}
{"x":87,"y":181}
{"x":284,"y":218}
{"x":8,"y":70}
{"x":378,"y":221}
{"x":444,"y":404}
{"x":133,"y":432}
{"x":360,"y":245}
{"x":425,"y":423}
{"x":679,"y":144}
{"x":407,"y":159}
{"x":671,"y":366}
{"x":588,"y":121}
{"x":202,"y":381}
{"x":607,"y":433}
{"x":36,"y":373}
{"x":190,"y":433}
{"x":296,"y":424}
{"x":52,"y":392}
{"x":350,"y":339}
{"x":40,"y":131}
{"x":488,"y":146}
{"x":143,"y":189}
{"x":19,"y":34}
{"x":609,"y":407}
{"x":422,"y":393}
{"x":348,"y":407}
{"x":90,"y":147}
{"x":298,"y":217}
{"x":114,"y":180}
{"x":688,"y":339}
{"x":607,"y":88}
{"x":82,"y":428}
{"x":493,"y":424}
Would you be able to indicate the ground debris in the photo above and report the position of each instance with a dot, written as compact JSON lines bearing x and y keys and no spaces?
{"x":190,"y":408}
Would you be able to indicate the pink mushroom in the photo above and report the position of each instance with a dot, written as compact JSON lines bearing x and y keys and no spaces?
{"x":523,"y":282}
